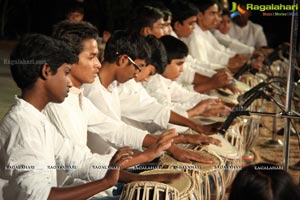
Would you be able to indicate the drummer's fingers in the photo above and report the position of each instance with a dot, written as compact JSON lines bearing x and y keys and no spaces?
{"x":215,"y":142}
{"x":162,"y":146}
{"x":122,"y":152}
{"x":201,"y":159}
{"x":167,"y":135}
{"x":121,"y":163}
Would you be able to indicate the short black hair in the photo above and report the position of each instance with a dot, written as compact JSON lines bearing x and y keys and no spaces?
{"x":263,"y":181}
{"x":176,"y":49}
{"x":203,"y":5}
{"x":122,"y":42}
{"x":144,"y":16}
{"x":75,"y":7}
{"x":74,"y":34}
{"x":32,"y":52}
{"x":182,"y":10}
{"x":158,"y":54}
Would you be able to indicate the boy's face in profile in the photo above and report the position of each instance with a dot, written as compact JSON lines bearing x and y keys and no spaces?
{"x":58,"y":85}
{"x":75,"y":16}
{"x":167,"y":26}
{"x":157,"y":29}
{"x":87,"y":68}
{"x":186,"y":28}
{"x":144,"y":75}
{"x":225,"y":24}
{"x":128,"y":71}
{"x":210,"y":18}
{"x":174,"y":69}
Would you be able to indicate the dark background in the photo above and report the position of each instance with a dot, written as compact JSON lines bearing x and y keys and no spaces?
{"x":25,"y":16}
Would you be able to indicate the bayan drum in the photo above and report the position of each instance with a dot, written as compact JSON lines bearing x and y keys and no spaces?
{"x":148,"y":190}
{"x":184,"y":184}
{"x":230,"y":155}
{"x":208,"y":178}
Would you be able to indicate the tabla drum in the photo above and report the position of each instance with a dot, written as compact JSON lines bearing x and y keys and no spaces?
{"x":230,"y":99}
{"x":207,"y":120}
{"x":230,"y":156}
{"x":250,"y":131}
{"x":234,"y":136}
{"x":243,"y":87}
{"x":208,"y":178}
{"x":185,"y":184}
{"x":149,"y":190}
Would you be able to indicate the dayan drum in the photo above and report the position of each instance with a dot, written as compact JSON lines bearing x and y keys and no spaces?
{"x":230,"y":99}
{"x":185,"y":184}
{"x":230,"y":155}
{"x":234,"y":136}
{"x":250,"y":131}
{"x":148,"y":190}
{"x":208,"y":178}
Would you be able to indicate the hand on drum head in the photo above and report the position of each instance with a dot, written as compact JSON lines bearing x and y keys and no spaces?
{"x":163,"y":178}
{"x":234,"y":89}
{"x":199,"y":139}
{"x":209,"y":107}
{"x":118,"y":161}
{"x":121,"y":157}
{"x":164,"y":142}
{"x":188,"y":156}
{"x":221,"y":79}
{"x":209,"y":129}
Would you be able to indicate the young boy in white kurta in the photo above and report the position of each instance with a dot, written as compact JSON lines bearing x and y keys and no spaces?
{"x":198,"y":76}
{"x":221,"y":34}
{"x":104,"y":91}
{"x":77,"y":115}
{"x":203,"y":45}
{"x":31,"y":147}
{"x":168,"y":92}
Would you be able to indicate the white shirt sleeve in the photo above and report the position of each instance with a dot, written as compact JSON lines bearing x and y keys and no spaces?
{"x":113,"y":131}
{"x":233,"y":44}
{"x":171,"y":94}
{"x":138,"y":105}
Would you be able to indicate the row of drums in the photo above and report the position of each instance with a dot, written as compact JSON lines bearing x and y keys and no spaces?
{"x":200,"y":181}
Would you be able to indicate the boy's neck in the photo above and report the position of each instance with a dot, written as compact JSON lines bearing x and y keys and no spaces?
{"x":107,"y":73}
{"x":35,"y":97}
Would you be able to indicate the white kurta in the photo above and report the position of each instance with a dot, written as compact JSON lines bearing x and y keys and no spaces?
{"x":173,"y":95}
{"x":203,"y":47}
{"x":252,"y":34}
{"x":170,"y":93}
{"x":232,"y":43}
{"x":77,"y":114}
{"x":138,"y":105}
{"x":28,"y":139}
{"x":192,"y":66}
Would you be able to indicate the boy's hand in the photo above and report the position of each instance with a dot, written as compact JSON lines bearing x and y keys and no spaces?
{"x":164,"y":142}
{"x":188,"y":156}
{"x":121,"y":157}
{"x":201,"y":139}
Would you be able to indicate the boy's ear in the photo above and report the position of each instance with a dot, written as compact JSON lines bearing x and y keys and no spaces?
{"x":146,"y":31}
{"x":45,"y":72}
{"x":122,"y":60}
{"x":177,"y":25}
{"x":199,"y":15}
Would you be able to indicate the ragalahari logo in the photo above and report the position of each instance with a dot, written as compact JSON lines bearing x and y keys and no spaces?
{"x":236,"y":10}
